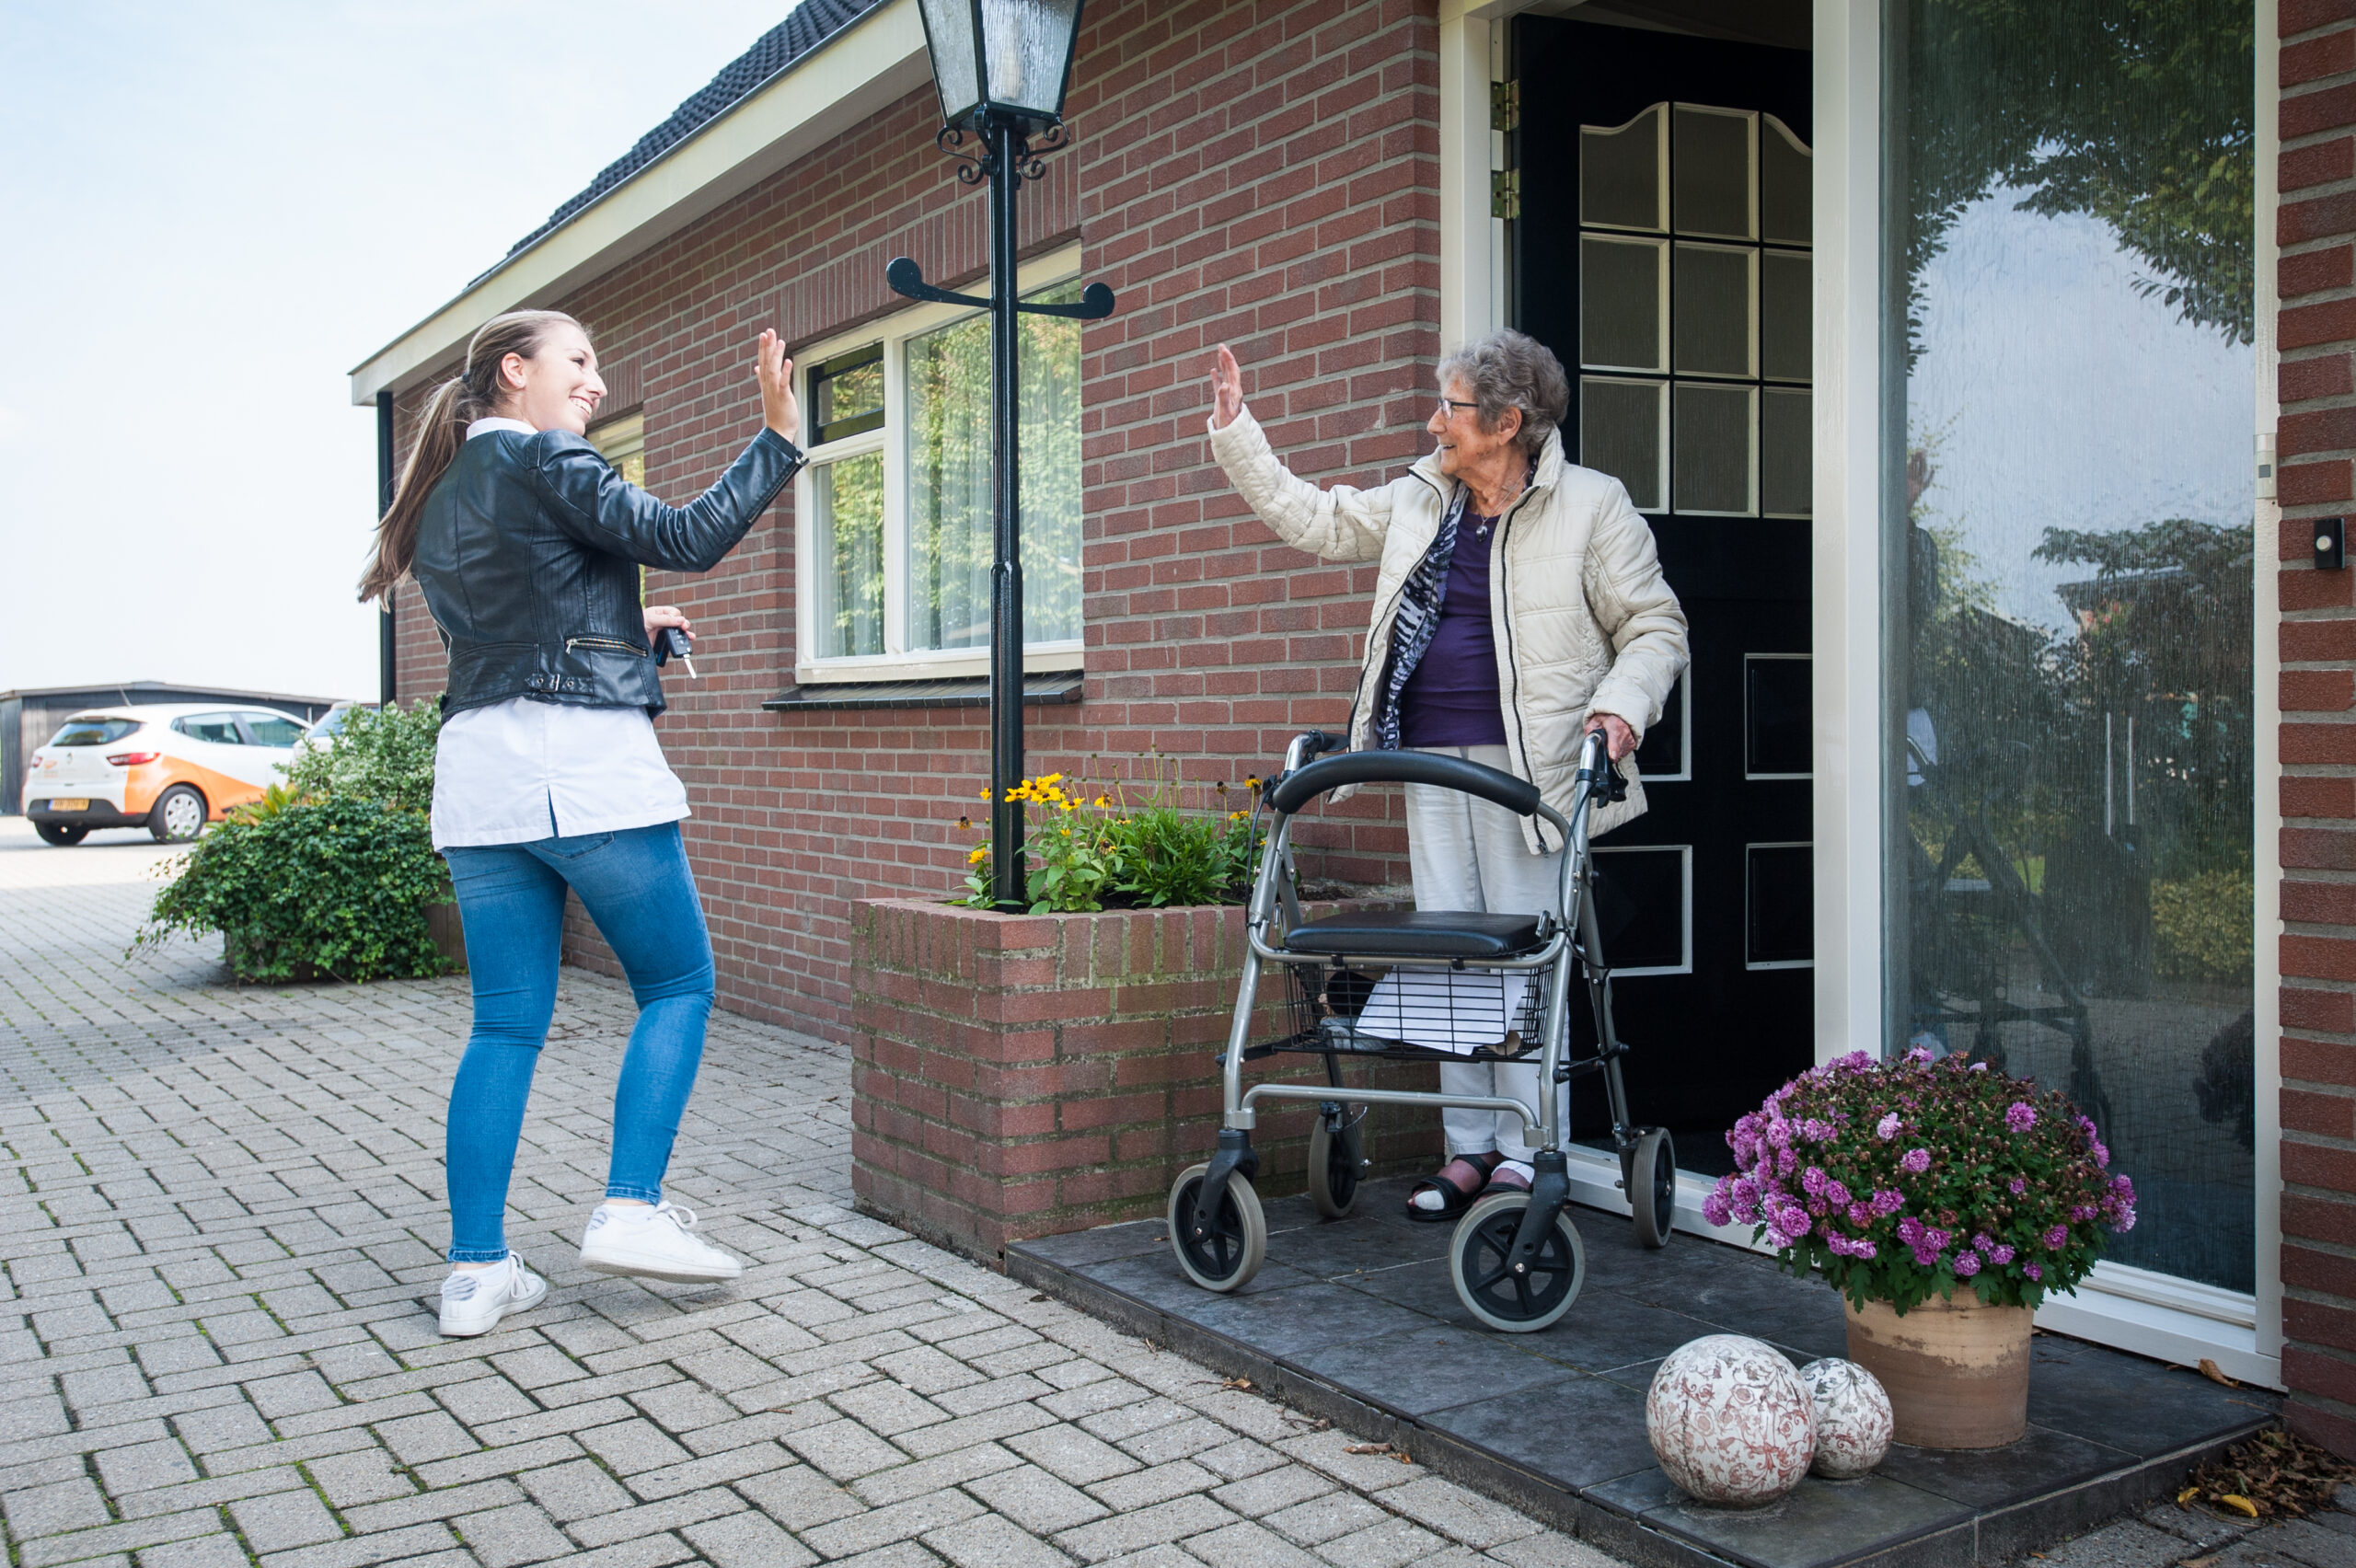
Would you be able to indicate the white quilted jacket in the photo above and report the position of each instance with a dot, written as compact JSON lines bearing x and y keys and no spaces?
{"x":1583,"y":619}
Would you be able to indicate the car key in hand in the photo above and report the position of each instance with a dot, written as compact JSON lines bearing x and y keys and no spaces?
{"x":670,"y":642}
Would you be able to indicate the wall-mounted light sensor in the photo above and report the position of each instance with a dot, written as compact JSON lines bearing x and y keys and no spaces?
{"x":2332,"y":538}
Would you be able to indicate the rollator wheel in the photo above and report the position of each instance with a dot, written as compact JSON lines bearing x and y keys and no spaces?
{"x":1652,"y":1187}
{"x":1230,"y":1249}
{"x":1333,"y":1162}
{"x":1479,"y":1261}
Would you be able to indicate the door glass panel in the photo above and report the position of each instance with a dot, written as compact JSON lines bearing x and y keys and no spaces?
{"x":1661,"y":759}
{"x":1786,"y":464}
{"x":1710,"y":172}
{"x":1620,"y":296}
{"x":2072,"y":729}
{"x":1621,"y":169}
{"x":1780,"y":930}
{"x":1785,"y":212}
{"x":1785,"y":285}
{"x":847,"y":544}
{"x":1776,"y":716}
{"x":1656,"y":884}
{"x":1623,"y":429}
{"x":1713,"y":464}
{"x":1715,"y":310}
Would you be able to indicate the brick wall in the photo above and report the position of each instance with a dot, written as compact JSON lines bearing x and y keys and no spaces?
{"x":2316,"y":444}
{"x":1021,"y":1077}
{"x":1261,"y":173}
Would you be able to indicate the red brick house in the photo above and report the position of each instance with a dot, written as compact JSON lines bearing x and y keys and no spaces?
{"x":1956,"y":402}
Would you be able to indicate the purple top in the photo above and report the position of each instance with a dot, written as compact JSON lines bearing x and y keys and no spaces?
{"x":1451,"y":697}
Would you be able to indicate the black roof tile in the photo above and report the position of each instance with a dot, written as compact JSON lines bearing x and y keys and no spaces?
{"x":810,"y":25}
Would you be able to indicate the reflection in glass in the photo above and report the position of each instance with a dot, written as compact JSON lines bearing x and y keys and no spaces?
{"x":1623,"y":427}
{"x":2076,"y":724}
{"x":1785,"y":212}
{"x":1711,"y":469}
{"x":1710,"y":183}
{"x":1620,"y":172}
{"x":1784,"y":284}
{"x":847,"y":550}
{"x":1714,"y":310}
{"x":1775,"y":730}
{"x":1620,"y":303}
{"x":949,"y":479}
{"x":1786,"y":464}
{"x":846,"y":394}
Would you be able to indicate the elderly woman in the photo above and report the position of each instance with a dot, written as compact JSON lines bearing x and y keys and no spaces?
{"x":1519,"y":605}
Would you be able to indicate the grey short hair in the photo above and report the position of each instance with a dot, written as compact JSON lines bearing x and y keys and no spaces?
{"x":1513,"y":370}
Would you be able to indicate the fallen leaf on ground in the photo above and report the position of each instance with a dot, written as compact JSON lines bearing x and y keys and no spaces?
{"x":2239,"y":1504}
{"x":2216,"y":1372}
{"x":2273,"y":1475}
{"x":1368,"y":1449}
{"x":1239,"y":1385}
{"x":1039,"y":1295}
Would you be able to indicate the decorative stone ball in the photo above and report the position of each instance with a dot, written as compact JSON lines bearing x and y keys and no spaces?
{"x":1730,"y":1421}
{"x":1853,"y":1417}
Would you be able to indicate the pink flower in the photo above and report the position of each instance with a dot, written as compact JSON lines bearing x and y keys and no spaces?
{"x":1914,"y":1161}
{"x":1920,"y":1054}
{"x":2018,"y":1186}
{"x":1887,"y":1128}
{"x":1979,"y":1067}
{"x":1910,"y":1230}
{"x":1888,"y":1201}
{"x":1812,"y":1181}
{"x":1861,"y":1215}
{"x":2032,"y":1271}
{"x":1979,"y":1242}
{"x":1836,"y":1195}
{"x":1966,"y":1264}
{"x":2019,"y":1117}
{"x":2000,"y":1255}
{"x":1715,"y":1207}
{"x":2057,"y":1238}
{"x":1786,"y":1162}
{"x":1937,"y":1241}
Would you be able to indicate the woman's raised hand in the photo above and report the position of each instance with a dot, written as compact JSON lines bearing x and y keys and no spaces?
{"x":1227,"y":389}
{"x":774,"y":372}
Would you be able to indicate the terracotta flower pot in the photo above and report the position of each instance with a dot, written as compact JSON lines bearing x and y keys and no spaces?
{"x":1956,"y":1371}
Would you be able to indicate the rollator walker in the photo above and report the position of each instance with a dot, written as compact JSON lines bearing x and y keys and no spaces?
{"x":1469,"y":986}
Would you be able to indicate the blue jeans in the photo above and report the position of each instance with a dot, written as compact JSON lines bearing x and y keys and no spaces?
{"x":638,"y":888}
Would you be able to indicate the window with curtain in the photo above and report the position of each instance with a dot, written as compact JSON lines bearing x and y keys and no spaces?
{"x":2072,"y":747}
{"x":897,"y":496}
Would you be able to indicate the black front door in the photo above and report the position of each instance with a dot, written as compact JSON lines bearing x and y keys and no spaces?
{"x":1661,"y":249}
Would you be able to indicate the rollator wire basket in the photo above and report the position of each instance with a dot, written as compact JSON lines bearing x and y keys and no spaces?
{"x":1428,"y":985}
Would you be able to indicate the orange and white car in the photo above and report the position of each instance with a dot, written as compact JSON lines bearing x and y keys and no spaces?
{"x":169,"y":768}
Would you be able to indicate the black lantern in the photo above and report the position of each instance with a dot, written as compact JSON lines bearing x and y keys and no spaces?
{"x":1000,"y":66}
{"x":1008,"y":58}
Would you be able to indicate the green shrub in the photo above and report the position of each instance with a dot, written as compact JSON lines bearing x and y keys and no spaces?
{"x":2201,"y":927}
{"x":336,"y":886}
{"x":384,"y":756}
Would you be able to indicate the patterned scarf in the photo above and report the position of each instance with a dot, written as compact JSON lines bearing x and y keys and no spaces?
{"x":1420,"y":598}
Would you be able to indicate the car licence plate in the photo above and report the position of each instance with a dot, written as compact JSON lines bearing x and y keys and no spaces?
{"x":78,"y":803}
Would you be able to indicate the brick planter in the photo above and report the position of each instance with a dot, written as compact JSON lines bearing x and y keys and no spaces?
{"x":1018,"y":1075}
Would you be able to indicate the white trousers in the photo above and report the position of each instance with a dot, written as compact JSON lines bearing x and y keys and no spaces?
{"x":1466,"y":854}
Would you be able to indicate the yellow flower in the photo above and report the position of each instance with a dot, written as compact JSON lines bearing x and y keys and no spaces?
{"x":1049,"y":778}
{"x":979,"y":854}
{"x":1067,"y":806}
{"x":1252,"y":784}
{"x":986,"y":792}
{"x":1102,"y":802}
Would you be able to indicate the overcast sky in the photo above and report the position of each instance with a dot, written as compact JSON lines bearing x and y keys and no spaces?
{"x":213,"y":209}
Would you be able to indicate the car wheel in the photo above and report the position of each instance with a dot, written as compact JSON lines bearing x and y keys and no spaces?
{"x":65,"y":835}
{"x":178,"y":815}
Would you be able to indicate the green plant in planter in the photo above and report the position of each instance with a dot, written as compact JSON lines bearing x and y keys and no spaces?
{"x":1087,"y":848}
{"x":1903,"y":1180}
{"x":337,"y":886}
{"x":384,"y":754}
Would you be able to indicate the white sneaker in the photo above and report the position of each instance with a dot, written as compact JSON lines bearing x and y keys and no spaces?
{"x":656,"y":1243}
{"x":473,"y":1300}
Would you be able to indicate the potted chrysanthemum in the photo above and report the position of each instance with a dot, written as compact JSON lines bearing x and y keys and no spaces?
{"x":1943,"y":1200}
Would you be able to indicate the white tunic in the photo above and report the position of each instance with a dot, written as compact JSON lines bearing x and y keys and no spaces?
{"x":522,"y":770}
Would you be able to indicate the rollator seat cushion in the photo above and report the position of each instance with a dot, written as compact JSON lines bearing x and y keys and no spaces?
{"x":1408,"y":933}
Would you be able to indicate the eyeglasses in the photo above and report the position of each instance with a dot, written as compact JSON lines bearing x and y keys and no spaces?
{"x":1448,"y":406}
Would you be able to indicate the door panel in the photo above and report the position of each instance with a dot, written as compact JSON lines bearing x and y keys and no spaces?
{"x":1662,"y":252}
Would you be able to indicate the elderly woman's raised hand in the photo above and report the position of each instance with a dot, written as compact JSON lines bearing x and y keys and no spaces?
{"x":1227,"y":389}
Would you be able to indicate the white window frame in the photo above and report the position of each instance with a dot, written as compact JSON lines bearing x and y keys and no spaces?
{"x":618,"y":440}
{"x":898,"y":662}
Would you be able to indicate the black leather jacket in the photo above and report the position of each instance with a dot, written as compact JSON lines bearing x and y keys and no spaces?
{"x":528,"y":549}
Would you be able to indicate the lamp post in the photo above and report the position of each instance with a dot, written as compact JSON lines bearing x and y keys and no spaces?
{"x":1001,"y":66}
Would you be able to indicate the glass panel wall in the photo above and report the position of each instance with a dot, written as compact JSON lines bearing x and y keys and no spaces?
{"x":2070,"y":616}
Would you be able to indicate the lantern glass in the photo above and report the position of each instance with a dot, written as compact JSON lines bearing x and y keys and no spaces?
{"x":1028,"y":45}
{"x":955,"y":44}
{"x":1010,"y":55}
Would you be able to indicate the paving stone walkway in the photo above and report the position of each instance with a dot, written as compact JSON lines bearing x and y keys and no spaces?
{"x":221,"y":1232}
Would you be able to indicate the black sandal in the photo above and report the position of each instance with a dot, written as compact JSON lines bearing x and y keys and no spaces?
{"x":1454,"y":1200}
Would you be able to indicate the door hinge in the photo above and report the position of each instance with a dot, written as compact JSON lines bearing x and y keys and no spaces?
{"x":1505,"y":105}
{"x":1505,"y":193}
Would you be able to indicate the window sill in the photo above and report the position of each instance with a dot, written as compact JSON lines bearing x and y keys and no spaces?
{"x":1048,"y":689}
